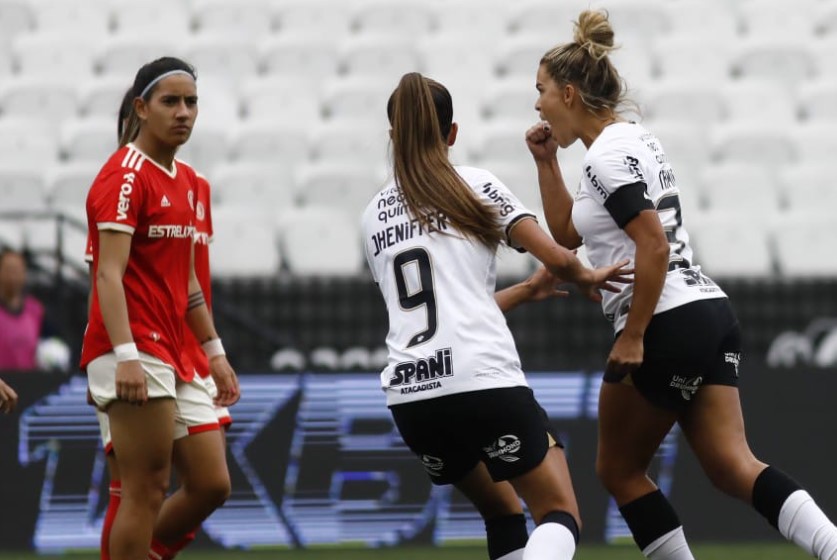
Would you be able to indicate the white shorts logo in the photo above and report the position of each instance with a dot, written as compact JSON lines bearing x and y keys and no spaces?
{"x":433,"y":465}
{"x":504,"y":448}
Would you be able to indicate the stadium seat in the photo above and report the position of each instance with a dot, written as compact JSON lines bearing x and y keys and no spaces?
{"x":207,"y":146}
{"x":22,"y":188}
{"x":155,"y":18}
{"x":521,"y":178}
{"x":502,"y":141}
{"x":102,"y":96}
{"x":258,"y":185}
{"x":776,"y":19}
{"x":314,"y":18}
{"x":727,"y":245}
{"x":47,"y":99}
{"x":685,"y":143}
{"x":122,"y":55}
{"x":815,"y":99}
{"x":27,"y":142}
{"x":691,"y":58}
{"x":222,"y":58}
{"x":634,"y":63}
{"x":325,"y":358}
{"x":805,"y":244}
{"x":380,"y":56}
{"x":87,"y":140}
{"x":7,"y":60}
{"x":808,"y":188}
{"x":637,"y":22}
{"x":344,"y":186}
{"x":320,"y":241}
{"x":288,"y":359}
{"x":693,"y":100}
{"x":277,"y":99}
{"x":11,"y":234}
{"x":355,"y":358}
{"x":767,"y":144}
{"x":56,"y":56}
{"x":786,"y":62}
{"x":815,"y":141}
{"x":67,"y":184}
{"x":298,"y":53}
{"x":518,"y":57}
{"x":16,"y":18}
{"x":453,"y":60}
{"x":408,"y":18}
{"x":243,"y":243}
{"x":90,"y":17}
{"x":352,"y":142}
{"x":218,"y":103}
{"x":750,"y":190}
{"x":692,"y":18}
{"x":550,"y":21}
{"x":750,"y":100}
{"x":267,"y":142}
{"x":482,"y":22}
{"x":512,"y":100}
{"x":250,"y":20}
{"x":357,"y":98}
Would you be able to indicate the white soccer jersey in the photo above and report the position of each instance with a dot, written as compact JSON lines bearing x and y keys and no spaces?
{"x":446,"y":333}
{"x":624,"y":158}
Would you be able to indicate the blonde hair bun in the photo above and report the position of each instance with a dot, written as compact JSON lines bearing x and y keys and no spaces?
{"x":593,"y":33}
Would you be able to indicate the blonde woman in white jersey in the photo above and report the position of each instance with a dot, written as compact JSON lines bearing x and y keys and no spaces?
{"x":453,"y":380}
{"x":677,"y":348}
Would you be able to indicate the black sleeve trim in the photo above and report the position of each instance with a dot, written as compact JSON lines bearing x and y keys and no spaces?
{"x":627,"y":202}
{"x":513,"y":223}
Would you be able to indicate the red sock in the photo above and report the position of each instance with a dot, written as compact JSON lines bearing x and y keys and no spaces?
{"x":115,"y":491}
{"x":159,"y":551}
{"x":182,"y":543}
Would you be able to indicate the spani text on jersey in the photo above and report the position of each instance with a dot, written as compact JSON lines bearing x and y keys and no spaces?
{"x":429,"y":369}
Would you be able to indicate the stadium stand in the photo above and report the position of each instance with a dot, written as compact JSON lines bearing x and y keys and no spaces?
{"x":293,"y":94}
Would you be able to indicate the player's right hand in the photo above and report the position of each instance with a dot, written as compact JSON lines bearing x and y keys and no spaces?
{"x":226,"y":381}
{"x":131,"y":385}
{"x":8,"y":398}
{"x":540,"y":142}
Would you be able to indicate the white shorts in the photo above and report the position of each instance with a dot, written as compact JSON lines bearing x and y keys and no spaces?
{"x":221,"y":412}
{"x":194,"y":410}
{"x":101,"y":378}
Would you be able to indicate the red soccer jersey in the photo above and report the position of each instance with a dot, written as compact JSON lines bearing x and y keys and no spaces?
{"x":135,"y":195}
{"x":192,"y":351}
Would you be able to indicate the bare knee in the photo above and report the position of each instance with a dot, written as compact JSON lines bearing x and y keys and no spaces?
{"x":733,"y":473}
{"x":212,"y":489}
{"x":615,"y":475}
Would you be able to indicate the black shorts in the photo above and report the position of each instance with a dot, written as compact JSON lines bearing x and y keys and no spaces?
{"x":686,"y":347}
{"x":505,"y":428}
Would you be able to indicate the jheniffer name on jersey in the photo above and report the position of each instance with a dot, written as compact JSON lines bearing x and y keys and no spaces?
{"x":423,"y":374}
{"x":404,"y":231}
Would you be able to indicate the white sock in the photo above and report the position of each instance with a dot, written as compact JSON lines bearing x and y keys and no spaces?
{"x":513,"y":555}
{"x":671,"y":546}
{"x":803,"y":522}
{"x":550,"y":541}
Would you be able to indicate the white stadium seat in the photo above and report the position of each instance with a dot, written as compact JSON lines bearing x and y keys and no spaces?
{"x":207,"y":146}
{"x":636,"y":22}
{"x":27,"y":142}
{"x":68,"y":184}
{"x":314,"y":18}
{"x":521,"y":178}
{"x":815,"y":141}
{"x":693,"y":58}
{"x":221,"y":57}
{"x":815,"y":99}
{"x":410,"y":18}
{"x":767,"y":144}
{"x":754,"y":99}
{"x":16,"y":18}
{"x":340,"y":186}
{"x":776,"y":19}
{"x":321,"y":241}
{"x":512,"y":265}
{"x":298,"y":54}
{"x":256,"y":185}
{"x":510,"y":100}
{"x":685,"y":99}
{"x":102,"y":97}
{"x":456,"y":62}
{"x":346,"y":141}
{"x":276,"y":99}
{"x":382,"y":56}
{"x":357,"y":98}
{"x":89,"y":17}
{"x":22,"y":188}
{"x":502,"y":141}
{"x":268,"y":142}
{"x":550,"y":21}
{"x":251,"y":19}
{"x":88,"y":140}
{"x":808,"y":187}
{"x":48,"y":99}
{"x":156,"y":18}
{"x":751,"y":190}
{"x":686,"y":144}
{"x":56,"y":56}
{"x":785,"y":62}
{"x":518,"y":57}
{"x":692,"y":18}
{"x":243,"y":243}
{"x":805,"y":244}
{"x":482,"y":22}
{"x":725,"y":244}
{"x":122,"y":55}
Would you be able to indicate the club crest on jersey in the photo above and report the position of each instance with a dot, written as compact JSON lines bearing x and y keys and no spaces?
{"x":191,"y":197}
{"x":200,"y":211}
{"x":505,"y":448}
{"x":124,"y":201}
{"x":423,"y":374}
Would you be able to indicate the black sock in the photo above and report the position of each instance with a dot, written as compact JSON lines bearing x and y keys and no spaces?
{"x":505,"y":534}
{"x":649,"y":518}
{"x":565,"y":519}
{"x":771,"y":489}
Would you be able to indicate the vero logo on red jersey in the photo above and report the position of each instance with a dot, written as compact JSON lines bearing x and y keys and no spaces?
{"x":125,"y":196}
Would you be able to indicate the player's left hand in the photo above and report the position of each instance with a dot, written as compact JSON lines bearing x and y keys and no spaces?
{"x":543,"y":284}
{"x":626,"y":355}
{"x":8,"y":398}
{"x":226,"y":381}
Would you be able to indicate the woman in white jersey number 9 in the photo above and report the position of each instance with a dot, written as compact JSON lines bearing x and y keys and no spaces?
{"x":677,"y":348}
{"x":453,"y":380}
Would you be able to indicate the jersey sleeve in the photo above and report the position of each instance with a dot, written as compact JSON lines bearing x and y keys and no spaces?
{"x":115,"y":200}
{"x":510,"y":210}
{"x":618,"y":180}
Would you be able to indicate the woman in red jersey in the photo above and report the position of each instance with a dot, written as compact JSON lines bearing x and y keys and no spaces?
{"x":141,"y":211}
